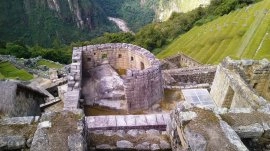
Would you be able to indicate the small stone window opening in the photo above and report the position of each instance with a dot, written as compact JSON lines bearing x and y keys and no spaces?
{"x":94,"y":53}
{"x":119,"y":55}
{"x":255,"y":85}
{"x":104,"y":56}
{"x":131,"y":58}
{"x":88,"y":59}
{"x":142,"y":65}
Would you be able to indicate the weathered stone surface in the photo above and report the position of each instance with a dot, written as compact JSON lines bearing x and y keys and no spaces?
{"x":143,"y":146}
{"x":12,"y":142}
{"x":98,"y":132}
{"x":104,"y":147}
{"x":203,"y":132}
{"x":232,"y":136}
{"x":187,"y":116}
{"x":141,"y":67}
{"x":120,"y":133}
{"x":219,"y":110}
{"x":266,"y":127}
{"x":241,"y":110}
{"x":123,"y":121}
{"x":164,"y":145}
{"x":133,"y":133}
{"x":60,"y":131}
{"x":236,"y":81}
{"x":141,"y":132}
{"x":29,"y":142}
{"x":18,"y":120}
{"x":152,"y":132}
{"x":249,"y":131}
{"x":124,"y":144}
{"x":45,"y":124}
{"x":155,"y":147}
{"x":195,"y":140}
{"x":104,"y":87}
{"x":109,"y":133}
{"x":76,"y":143}
{"x":40,"y":141}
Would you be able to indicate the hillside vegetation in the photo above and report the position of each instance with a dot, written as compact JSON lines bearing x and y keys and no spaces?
{"x":165,"y":8}
{"x":44,"y":21}
{"x":7,"y":70}
{"x":243,"y":33}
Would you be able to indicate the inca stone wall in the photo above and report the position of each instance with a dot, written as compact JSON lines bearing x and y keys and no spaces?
{"x":196,"y":75}
{"x":19,"y":100}
{"x":236,"y":85}
{"x":255,"y":73}
{"x":143,"y":80}
{"x":201,"y":129}
{"x":127,"y":122}
{"x":74,"y":81}
{"x":182,"y":60}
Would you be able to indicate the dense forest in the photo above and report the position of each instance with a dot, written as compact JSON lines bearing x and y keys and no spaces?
{"x":153,"y":36}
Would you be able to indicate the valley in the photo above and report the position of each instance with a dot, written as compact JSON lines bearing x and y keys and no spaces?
{"x":122,"y":25}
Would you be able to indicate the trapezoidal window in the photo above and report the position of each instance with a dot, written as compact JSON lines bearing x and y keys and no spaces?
{"x":104,"y":56}
{"x":255,"y":85}
{"x":119,"y":55}
{"x":88,"y":59}
{"x":131,"y":58}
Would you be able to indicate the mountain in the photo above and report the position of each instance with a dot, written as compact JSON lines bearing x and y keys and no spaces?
{"x":44,"y":21}
{"x":165,"y":8}
{"x":243,"y":33}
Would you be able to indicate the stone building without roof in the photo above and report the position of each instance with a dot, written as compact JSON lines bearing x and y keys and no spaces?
{"x":17,"y":99}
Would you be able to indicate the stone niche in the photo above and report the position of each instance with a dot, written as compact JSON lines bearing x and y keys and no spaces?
{"x":139,"y":70}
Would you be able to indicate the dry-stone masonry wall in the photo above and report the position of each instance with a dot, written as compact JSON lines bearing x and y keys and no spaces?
{"x":231,"y":87}
{"x":74,"y":81}
{"x":200,"y":129}
{"x":255,"y":73}
{"x":127,"y":122}
{"x":180,"y":60}
{"x":143,"y":79}
{"x":17,"y":133}
{"x":196,"y":75}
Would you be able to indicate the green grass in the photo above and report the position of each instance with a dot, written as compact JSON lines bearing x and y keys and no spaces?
{"x":1,"y":76}
{"x":9,"y":71}
{"x":241,"y":34}
{"x":49,"y":64}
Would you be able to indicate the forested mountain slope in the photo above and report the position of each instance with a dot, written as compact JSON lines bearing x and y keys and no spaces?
{"x":44,"y":21}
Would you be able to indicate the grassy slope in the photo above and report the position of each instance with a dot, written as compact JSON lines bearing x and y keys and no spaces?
{"x":7,"y":70}
{"x":240,"y":34}
{"x":50,"y":64}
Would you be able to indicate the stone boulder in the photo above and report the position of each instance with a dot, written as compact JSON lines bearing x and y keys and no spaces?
{"x":124,"y":144}
{"x":12,"y":142}
{"x":155,"y":147}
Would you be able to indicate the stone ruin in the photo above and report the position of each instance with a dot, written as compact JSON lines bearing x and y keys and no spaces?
{"x":93,"y":77}
{"x":236,"y":119}
{"x":240,"y":119}
{"x":242,"y":84}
